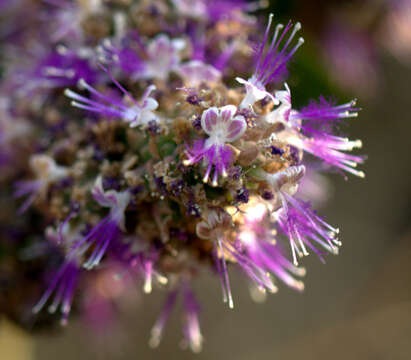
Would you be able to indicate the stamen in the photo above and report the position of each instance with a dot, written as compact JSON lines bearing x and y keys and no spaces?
{"x":262,"y":45}
{"x":148,"y":277}
{"x":225,"y":275}
{"x":53,"y":71}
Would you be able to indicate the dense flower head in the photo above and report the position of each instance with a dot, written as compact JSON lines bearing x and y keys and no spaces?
{"x":147,"y":158}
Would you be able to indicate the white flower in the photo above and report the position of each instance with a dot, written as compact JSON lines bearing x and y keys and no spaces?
{"x":142,"y":114}
{"x":222,"y":126}
{"x":164,"y":57}
{"x":116,"y":201}
{"x":138,"y":113}
{"x":195,"y":72}
{"x":281,"y":113}
{"x":255,"y":91}
{"x":191,"y":8}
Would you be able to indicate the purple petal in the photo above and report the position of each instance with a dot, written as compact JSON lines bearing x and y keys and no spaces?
{"x":236,"y":129}
{"x":209,"y":119}
{"x":227,"y":112}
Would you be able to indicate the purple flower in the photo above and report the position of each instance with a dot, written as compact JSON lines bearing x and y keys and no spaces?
{"x":283,"y":182}
{"x":257,"y":254}
{"x":309,"y":130}
{"x":64,"y":281}
{"x":323,"y":115}
{"x":271,"y":64}
{"x":149,"y":215}
{"x":163,"y":57}
{"x":32,"y":188}
{"x":123,"y":55}
{"x":154,"y":60}
{"x":56,"y":70}
{"x":263,"y":253}
{"x":139,"y":259}
{"x":138,"y":113}
{"x":212,"y":228}
{"x":191,"y":329}
{"x":222,"y":126}
{"x":191,"y":326}
{"x":296,"y":219}
{"x":196,"y":72}
{"x":253,"y":250}
{"x":318,"y":120}
{"x":330,"y":149}
{"x":143,"y":262}
{"x":255,"y":271}
{"x":281,"y":113}
{"x":158,"y":328}
{"x":63,"y":284}
{"x":207,"y":54}
{"x":108,"y":229}
{"x":304,"y":227}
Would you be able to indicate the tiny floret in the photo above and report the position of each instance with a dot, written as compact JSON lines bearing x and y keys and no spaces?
{"x":109,"y":229}
{"x":222,"y":126}
{"x":271,"y":63}
{"x":137,"y":113}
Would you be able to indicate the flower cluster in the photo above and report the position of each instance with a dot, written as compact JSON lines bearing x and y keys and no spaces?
{"x":143,"y":155}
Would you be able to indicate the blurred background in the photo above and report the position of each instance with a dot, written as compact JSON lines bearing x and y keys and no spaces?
{"x":358,"y":305}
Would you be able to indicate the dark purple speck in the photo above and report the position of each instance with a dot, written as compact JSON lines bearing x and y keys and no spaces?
{"x":153,"y":128}
{"x":242,"y":195}
{"x":161,"y":186}
{"x":111,"y":183}
{"x":193,"y":209}
{"x":197,"y":123}
{"x":267,"y":195}
{"x":137,"y":189}
{"x":295,"y":154}
{"x":177,"y":187}
{"x":277,"y":151}
{"x":193,"y":99}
